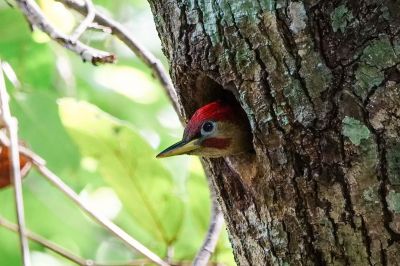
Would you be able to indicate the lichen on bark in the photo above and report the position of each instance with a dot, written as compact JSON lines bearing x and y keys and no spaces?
{"x":341,"y":17}
{"x":354,"y":130}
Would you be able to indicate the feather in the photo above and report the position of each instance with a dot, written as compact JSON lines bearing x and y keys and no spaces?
{"x":215,"y":111}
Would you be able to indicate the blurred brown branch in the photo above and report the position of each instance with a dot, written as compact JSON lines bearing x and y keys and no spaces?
{"x":48,"y":244}
{"x":86,"y":8}
{"x":11,"y":127}
{"x":65,"y":253}
{"x":211,"y":239}
{"x":85,"y":24}
{"x":39,"y":164}
{"x":217,"y":219}
{"x":78,"y":260}
{"x":36,"y":18}
{"x":126,"y":37}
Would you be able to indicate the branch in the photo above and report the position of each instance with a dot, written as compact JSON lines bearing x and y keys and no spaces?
{"x":211,"y":240}
{"x":39,"y":164}
{"x":10,"y":124}
{"x":62,"y":251}
{"x":10,"y":74}
{"x":126,"y":37}
{"x":111,"y":227}
{"x":48,"y":244}
{"x":36,"y":17}
{"x":84,"y":25}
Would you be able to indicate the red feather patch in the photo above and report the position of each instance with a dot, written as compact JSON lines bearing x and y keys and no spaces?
{"x":215,"y":111}
{"x":217,"y":143}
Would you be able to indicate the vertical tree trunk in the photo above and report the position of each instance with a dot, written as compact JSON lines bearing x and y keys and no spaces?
{"x":319,"y":81}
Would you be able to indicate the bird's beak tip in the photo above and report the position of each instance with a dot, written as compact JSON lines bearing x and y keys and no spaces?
{"x":182,"y":147}
{"x":160,"y":155}
{"x":165,"y":153}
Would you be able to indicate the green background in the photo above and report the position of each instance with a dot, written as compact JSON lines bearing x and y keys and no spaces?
{"x":99,"y":128}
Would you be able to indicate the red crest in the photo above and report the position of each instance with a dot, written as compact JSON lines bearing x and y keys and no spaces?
{"x":215,"y":111}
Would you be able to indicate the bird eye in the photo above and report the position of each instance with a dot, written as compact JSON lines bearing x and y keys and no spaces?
{"x":207,"y":128}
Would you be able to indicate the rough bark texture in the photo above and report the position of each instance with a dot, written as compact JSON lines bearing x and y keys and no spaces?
{"x":320,"y":84}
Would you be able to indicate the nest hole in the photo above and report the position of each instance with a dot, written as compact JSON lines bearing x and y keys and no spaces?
{"x":208,"y":90}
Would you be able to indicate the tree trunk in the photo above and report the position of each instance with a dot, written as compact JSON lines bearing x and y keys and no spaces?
{"x":320,"y":84}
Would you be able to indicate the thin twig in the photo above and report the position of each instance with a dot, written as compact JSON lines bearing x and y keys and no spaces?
{"x":9,"y":3}
{"x":126,"y":37}
{"x":112,"y":228}
{"x":63,"y":252}
{"x":48,"y":244}
{"x":100,"y":28}
{"x":10,"y":124}
{"x":211,"y":240}
{"x":36,"y":18}
{"x":85,"y":24}
{"x":39,"y":164}
{"x":10,"y":74}
{"x":204,"y":254}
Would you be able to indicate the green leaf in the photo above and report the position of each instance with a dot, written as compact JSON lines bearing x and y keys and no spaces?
{"x":198,"y":219}
{"x":128,"y":164}
{"x":41,"y":128}
{"x":46,"y":210}
{"x":32,"y":61}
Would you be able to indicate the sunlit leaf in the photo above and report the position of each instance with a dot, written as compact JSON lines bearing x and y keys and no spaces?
{"x":33,"y":62}
{"x":41,"y":128}
{"x":113,"y":250}
{"x":58,"y":15}
{"x":123,"y":157}
{"x":127,"y":163}
{"x":46,"y":210}
{"x":198,"y":218}
{"x":127,"y":81}
{"x":44,"y":259}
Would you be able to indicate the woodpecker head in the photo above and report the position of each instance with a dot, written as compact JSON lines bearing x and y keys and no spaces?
{"x":216,"y":129}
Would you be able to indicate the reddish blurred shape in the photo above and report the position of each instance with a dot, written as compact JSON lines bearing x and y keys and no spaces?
{"x":5,"y":163}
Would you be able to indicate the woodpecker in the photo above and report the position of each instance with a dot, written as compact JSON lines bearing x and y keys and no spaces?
{"x":216,"y":129}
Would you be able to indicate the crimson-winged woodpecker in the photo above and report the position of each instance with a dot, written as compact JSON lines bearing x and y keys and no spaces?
{"x":216,"y":129}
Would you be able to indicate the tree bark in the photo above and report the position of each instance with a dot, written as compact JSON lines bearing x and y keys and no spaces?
{"x":320,"y":84}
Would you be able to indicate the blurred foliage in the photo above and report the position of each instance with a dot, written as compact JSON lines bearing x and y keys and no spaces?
{"x":99,"y":128}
